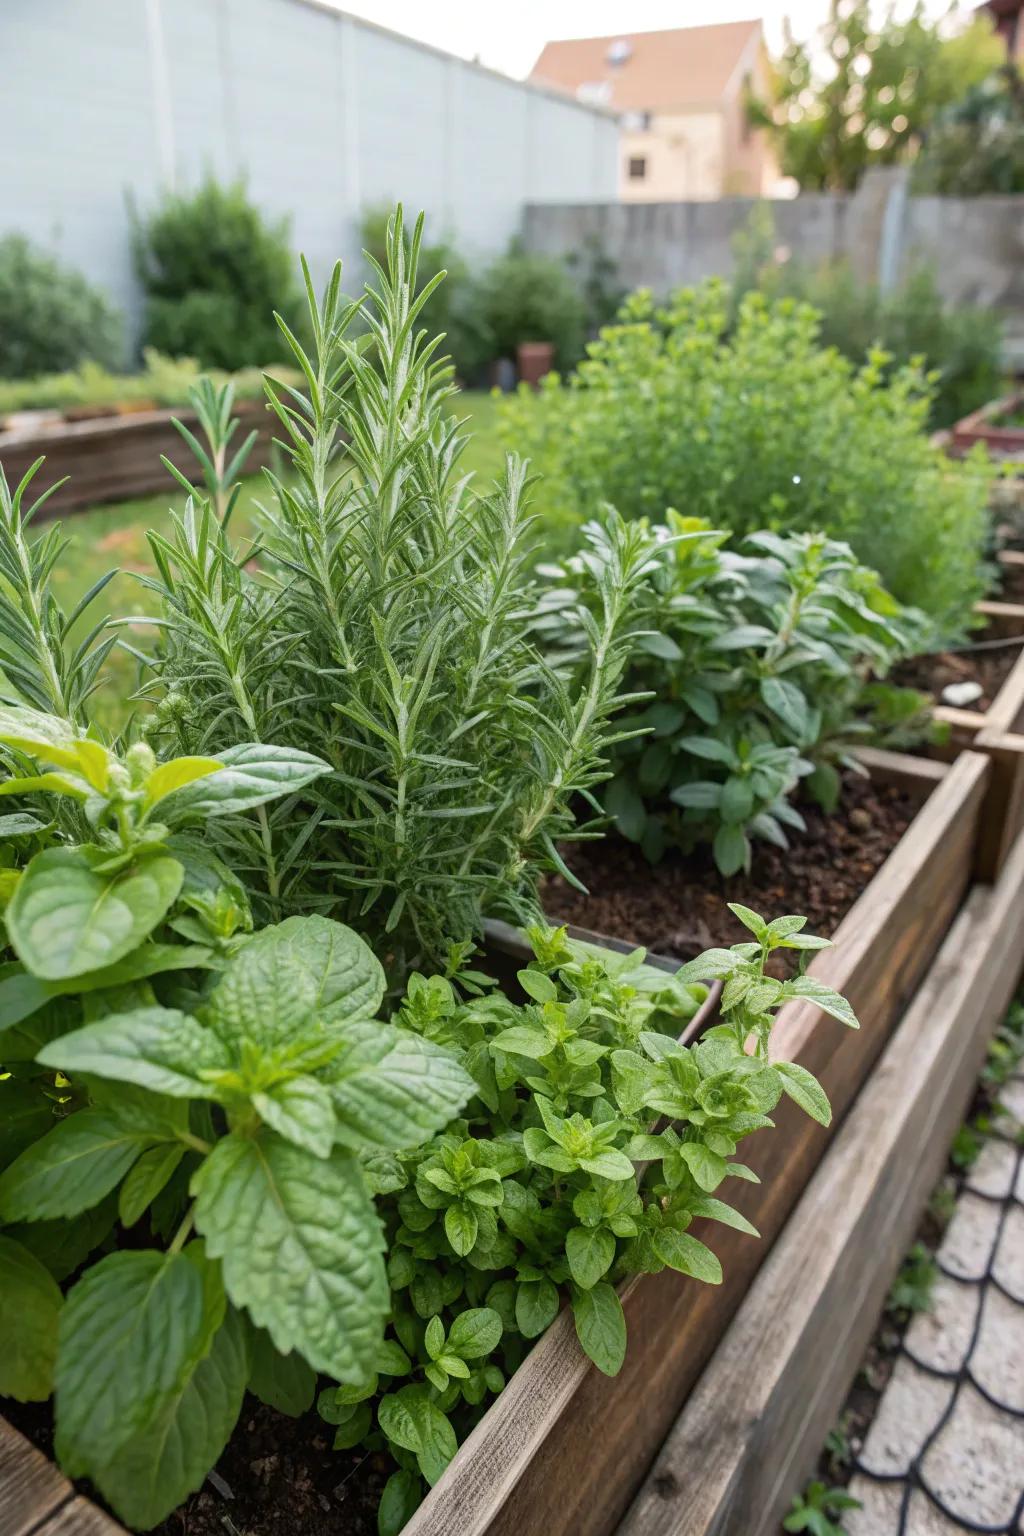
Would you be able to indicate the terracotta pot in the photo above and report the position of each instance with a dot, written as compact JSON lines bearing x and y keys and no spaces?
{"x":534,"y":359}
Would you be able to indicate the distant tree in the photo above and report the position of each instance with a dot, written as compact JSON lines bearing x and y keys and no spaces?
{"x":977,"y":146}
{"x":862,"y":95}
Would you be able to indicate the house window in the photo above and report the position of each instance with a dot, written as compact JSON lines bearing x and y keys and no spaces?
{"x":637,"y":167}
{"x":636,"y":122}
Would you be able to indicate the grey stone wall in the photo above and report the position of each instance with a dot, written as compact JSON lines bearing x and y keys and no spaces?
{"x":974,"y":245}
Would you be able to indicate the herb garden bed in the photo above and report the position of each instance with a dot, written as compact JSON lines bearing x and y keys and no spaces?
{"x":116,"y":458}
{"x":558,"y":1416}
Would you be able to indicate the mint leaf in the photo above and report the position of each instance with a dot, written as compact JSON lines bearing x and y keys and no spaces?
{"x":299,"y":1110}
{"x":680,"y":1251}
{"x":590,"y":1251}
{"x":474,"y":1333}
{"x":461,"y":1225}
{"x":285,"y":1382}
{"x":707,"y":1167}
{"x":157,"y":1469}
{"x":536,"y":1306}
{"x":304,"y":971}
{"x":393,"y":1089}
{"x":65,"y":918}
{"x":70,"y":1169}
{"x":144,"y":1181}
{"x":26,"y":1114}
{"x":131,"y":1331}
{"x":28,"y":1324}
{"x":601,"y":1326}
{"x":301,"y":1247}
{"x":156,"y":1048}
{"x":412,"y":1420}
{"x":805,"y":1090}
{"x":249,"y":775}
{"x":828,"y":1001}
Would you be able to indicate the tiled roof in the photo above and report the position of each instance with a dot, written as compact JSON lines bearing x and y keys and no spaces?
{"x":658,"y":70}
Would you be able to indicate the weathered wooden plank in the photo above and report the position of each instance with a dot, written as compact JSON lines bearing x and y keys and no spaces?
{"x":80,"y":1517}
{"x":754,"y":1426}
{"x":115,"y":458}
{"x":1002,"y":619}
{"x":1003,"y":814}
{"x":573,"y":1465}
{"x":31,"y":1488}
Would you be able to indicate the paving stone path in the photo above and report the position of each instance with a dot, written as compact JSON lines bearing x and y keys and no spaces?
{"x":945,"y":1452}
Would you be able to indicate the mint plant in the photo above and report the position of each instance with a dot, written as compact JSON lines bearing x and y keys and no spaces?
{"x":757,"y":665}
{"x":387,"y":619}
{"x":592,"y":1143}
{"x":161,"y":1062}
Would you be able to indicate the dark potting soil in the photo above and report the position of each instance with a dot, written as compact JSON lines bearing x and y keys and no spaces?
{"x":930,"y":674}
{"x":677,"y":908}
{"x":277,"y":1477}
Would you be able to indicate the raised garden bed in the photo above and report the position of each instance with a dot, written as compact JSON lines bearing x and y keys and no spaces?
{"x":999,"y":425}
{"x":557,"y":1412}
{"x":116,"y":458}
{"x":748,"y":1437}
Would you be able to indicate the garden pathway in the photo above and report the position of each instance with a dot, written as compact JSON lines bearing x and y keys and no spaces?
{"x":945,"y":1452}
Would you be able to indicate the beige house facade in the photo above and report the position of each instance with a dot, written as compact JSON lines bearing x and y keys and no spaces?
{"x":679,"y":96}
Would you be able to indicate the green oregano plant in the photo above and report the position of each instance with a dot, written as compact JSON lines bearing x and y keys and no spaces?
{"x":592,"y":1143}
{"x":386,"y":618}
{"x":758,"y":662}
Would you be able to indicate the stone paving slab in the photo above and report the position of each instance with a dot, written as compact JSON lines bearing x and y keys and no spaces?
{"x":944,"y":1454}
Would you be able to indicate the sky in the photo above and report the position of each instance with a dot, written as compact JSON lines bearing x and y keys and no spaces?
{"x":508,"y":34}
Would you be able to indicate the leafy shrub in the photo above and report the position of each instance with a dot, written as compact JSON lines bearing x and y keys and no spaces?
{"x":759,"y":428}
{"x":163,"y":380}
{"x":959,"y":345}
{"x":977,"y":146}
{"x":214,"y":269}
{"x":525,"y":297}
{"x":51,"y":317}
{"x":452,"y":310}
{"x":389,"y":623}
{"x":756,"y":664}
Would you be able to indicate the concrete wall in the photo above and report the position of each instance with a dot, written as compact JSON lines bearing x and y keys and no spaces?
{"x":325,"y":114}
{"x":974,"y":245}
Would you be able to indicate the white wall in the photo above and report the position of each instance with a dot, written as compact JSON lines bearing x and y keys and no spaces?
{"x":325,"y":114}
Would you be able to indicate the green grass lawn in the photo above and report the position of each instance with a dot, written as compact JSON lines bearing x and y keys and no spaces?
{"x":114,"y":538}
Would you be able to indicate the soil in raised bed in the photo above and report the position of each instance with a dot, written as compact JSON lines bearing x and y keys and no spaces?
{"x":988,"y":668}
{"x":277,"y":1477}
{"x":678,"y":907}
{"x":1011,"y":584}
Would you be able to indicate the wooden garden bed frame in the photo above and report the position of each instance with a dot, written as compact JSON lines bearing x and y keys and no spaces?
{"x":999,"y":732}
{"x":564,"y":1449}
{"x":752,"y":1431}
{"x":116,"y":458}
{"x":981,"y":427}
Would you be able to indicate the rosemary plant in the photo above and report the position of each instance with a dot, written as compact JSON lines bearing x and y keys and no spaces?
{"x":385,"y":621}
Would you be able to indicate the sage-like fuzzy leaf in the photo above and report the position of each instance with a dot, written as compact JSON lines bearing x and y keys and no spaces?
{"x":28,"y":1324}
{"x":691,"y":1257}
{"x":805,"y":1090}
{"x":590,"y":1251}
{"x":66,"y":918}
{"x":247,"y":776}
{"x":301,"y":1247}
{"x":160,"y":1049}
{"x":132,"y":1330}
{"x":393,"y":1089}
{"x":82,"y":1159}
{"x":158,"y":1468}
